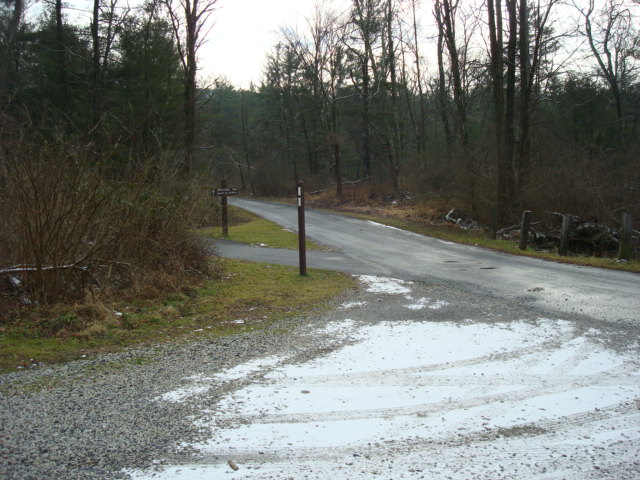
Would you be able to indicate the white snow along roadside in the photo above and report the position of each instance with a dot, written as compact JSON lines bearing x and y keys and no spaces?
{"x":419,"y":399}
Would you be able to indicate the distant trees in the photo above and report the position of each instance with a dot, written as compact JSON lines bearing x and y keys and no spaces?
{"x":479,"y":118}
{"x":497,"y":101}
{"x":91,"y":196}
{"x":189,"y":19}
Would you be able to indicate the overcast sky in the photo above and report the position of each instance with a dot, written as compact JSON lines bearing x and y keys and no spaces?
{"x":244,"y":31}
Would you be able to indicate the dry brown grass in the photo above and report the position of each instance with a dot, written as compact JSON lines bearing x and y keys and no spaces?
{"x":362,"y":198}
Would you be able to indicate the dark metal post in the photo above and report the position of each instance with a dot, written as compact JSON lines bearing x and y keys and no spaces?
{"x":524,"y":229}
{"x":564,"y":234}
{"x":626,"y":251}
{"x":301,"y":232}
{"x":225,"y":213}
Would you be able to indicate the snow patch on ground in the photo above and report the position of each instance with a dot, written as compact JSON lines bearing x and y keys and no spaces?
{"x":338,"y":328}
{"x":199,"y":384}
{"x":390,"y":286}
{"x":348,"y":305}
{"x":417,"y":399}
{"x":438,"y":305}
{"x":243,"y":371}
{"x":422,"y":303}
{"x":371,"y":222}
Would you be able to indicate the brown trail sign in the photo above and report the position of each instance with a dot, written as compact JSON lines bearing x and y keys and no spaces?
{"x":223,"y":193}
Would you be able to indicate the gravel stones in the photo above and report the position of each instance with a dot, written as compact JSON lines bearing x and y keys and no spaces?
{"x":92,"y":418}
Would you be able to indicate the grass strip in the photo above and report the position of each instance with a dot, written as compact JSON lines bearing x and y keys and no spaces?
{"x":243,"y":296}
{"x":246,"y":227}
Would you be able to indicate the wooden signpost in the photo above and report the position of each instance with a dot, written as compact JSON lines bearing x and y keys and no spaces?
{"x":223,"y":192}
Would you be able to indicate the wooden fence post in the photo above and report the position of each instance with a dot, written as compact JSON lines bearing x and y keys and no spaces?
{"x":564,"y":234}
{"x":524,"y":229}
{"x":493,"y":227}
{"x":626,"y":251}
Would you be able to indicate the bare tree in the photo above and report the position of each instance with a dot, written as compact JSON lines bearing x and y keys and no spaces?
{"x":446,"y":18}
{"x":614,"y":43}
{"x":366,"y":33}
{"x":442,"y":92}
{"x":104,"y":24}
{"x":421,"y":123}
{"x":494,"y":11}
{"x":449,"y":18}
{"x":190,"y":21}
{"x":394,"y":131}
{"x":533,"y":37}
{"x":323,"y":60}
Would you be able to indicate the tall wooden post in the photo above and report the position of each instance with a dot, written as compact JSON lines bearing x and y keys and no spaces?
{"x":301,"y":229}
{"x":225,"y":212}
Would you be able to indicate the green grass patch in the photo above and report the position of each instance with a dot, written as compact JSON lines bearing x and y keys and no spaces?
{"x":245,"y":227}
{"x":244,"y":296}
{"x":476,"y":238}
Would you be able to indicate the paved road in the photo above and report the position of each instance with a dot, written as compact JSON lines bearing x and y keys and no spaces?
{"x":362,"y":247}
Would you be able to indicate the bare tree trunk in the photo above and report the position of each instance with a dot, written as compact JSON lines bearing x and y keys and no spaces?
{"x":337,"y":156}
{"x":525,"y":96}
{"x":366,"y":119}
{"x":60,"y":49}
{"x":245,"y":143}
{"x":607,"y":64}
{"x":446,"y":17}
{"x":395,"y":137}
{"x":443,"y":97}
{"x":190,"y":83}
{"x":95,"y":70}
{"x":188,"y":18}
{"x":494,"y":9}
{"x":510,"y":101}
{"x":363,"y":19}
{"x":422,"y":119}
{"x":448,"y":24}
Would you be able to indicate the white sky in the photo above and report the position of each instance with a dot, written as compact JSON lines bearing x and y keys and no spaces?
{"x":244,"y":31}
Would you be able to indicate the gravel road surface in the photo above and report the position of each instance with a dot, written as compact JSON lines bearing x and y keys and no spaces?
{"x":363,"y":247}
{"x":403,"y":378}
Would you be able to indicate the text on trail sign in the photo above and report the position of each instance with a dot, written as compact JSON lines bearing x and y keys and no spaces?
{"x":223,"y":192}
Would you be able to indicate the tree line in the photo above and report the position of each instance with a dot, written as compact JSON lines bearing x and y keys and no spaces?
{"x":98,"y":124}
{"x":517,"y":103}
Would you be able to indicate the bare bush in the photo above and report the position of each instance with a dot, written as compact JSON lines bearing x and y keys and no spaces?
{"x":67,"y":230}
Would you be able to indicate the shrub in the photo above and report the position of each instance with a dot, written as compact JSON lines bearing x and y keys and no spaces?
{"x":68,"y":228}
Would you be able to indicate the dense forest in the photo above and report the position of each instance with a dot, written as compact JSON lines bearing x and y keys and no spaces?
{"x":109,"y":134}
